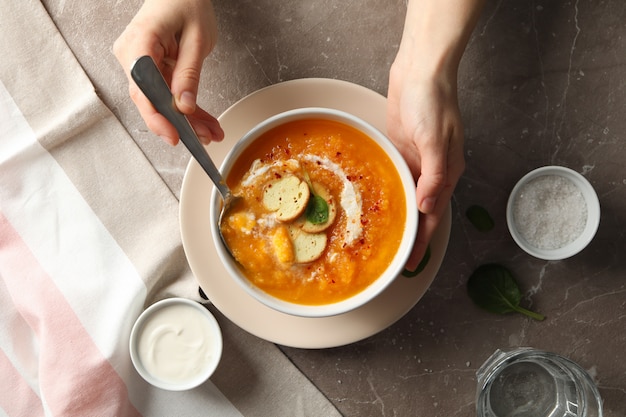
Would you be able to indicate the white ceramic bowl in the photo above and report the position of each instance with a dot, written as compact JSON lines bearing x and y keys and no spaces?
{"x":397,"y":265}
{"x":592,"y":208}
{"x":160,"y":343}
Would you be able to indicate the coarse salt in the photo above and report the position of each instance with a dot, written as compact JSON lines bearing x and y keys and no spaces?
{"x":550,"y":212}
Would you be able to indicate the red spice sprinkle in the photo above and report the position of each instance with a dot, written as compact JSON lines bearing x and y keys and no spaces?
{"x":375,"y":207}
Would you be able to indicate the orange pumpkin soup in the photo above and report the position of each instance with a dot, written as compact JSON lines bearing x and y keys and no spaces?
{"x":323,"y":212}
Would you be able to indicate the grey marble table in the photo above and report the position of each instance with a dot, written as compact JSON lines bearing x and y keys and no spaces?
{"x":542,"y":82}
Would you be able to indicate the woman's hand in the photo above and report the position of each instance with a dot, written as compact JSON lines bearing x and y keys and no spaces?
{"x":178,"y":35}
{"x":423,"y":121}
{"x":423,"y":118}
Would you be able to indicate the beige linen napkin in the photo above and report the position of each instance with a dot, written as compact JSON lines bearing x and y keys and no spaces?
{"x":89,"y":237}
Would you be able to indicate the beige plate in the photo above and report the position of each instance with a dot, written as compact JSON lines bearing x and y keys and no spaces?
{"x":226,"y":294}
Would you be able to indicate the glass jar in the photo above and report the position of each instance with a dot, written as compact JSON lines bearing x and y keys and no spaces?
{"x":526,"y":382}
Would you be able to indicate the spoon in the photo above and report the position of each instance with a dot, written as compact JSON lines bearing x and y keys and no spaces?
{"x":151,"y":82}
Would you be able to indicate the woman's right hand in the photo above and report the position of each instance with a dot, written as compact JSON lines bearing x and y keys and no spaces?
{"x":423,"y":117}
{"x":178,"y":35}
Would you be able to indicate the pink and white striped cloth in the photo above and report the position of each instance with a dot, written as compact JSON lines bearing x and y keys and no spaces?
{"x":88,"y":238}
{"x":69,"y":292}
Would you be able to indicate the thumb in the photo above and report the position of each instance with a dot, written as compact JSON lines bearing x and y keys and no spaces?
{"x":432,"y":181}
{"x":186,"y":73}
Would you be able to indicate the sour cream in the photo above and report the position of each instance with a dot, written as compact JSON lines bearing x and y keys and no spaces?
{"x":177,"y":344}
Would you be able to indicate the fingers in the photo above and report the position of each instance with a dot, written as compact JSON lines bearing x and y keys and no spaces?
{"x":206,"y":126}
{"x":153,"y":119}
{"x":428,"y":224}
{"x":441,"y":164}
{"x":440,"y":182}
{"x":178,"y":38}
{"x":440,"y":172}
{"x":433,"y":177}
{"x":130,"y":45}
{"x":197,"y":40}
{"x":186,"y":74}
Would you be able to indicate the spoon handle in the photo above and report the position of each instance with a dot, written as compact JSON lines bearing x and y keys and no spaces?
{"x":151,"y":82}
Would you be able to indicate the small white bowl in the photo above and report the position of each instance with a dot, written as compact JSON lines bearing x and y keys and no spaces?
{"x":592,"y":209}
{"x":408,"y":238}
{"x":160,"y":347}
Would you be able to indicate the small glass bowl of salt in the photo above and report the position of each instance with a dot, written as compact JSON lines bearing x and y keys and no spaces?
{"x":553,"y":213}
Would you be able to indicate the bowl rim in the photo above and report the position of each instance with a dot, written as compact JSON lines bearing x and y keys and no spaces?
{"x":593,"y":213}
{"x":393,"y":270}
{"x":217,"y":341}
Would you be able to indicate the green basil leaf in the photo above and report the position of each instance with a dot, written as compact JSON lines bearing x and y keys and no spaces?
{"x":316,"y":210}
{"x":480,"y":218}
{"x":493,"y":288}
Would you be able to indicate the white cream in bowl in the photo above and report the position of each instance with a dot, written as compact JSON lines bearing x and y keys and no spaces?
{"x":176,"y":344}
